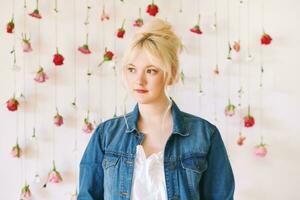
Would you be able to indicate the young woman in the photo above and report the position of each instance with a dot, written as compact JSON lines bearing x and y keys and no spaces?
{"x":157,"y":151}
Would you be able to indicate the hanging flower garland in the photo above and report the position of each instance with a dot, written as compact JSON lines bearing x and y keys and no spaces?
{"x":215,"y":70}
{"x":241,"y":138}
{"x":58,"y":120}
{"x":261,"y":149}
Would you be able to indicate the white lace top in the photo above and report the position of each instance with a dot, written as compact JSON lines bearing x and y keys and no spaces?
{"x":148,"y":177}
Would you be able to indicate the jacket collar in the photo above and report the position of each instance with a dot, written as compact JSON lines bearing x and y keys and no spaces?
{"x":177,"y":115}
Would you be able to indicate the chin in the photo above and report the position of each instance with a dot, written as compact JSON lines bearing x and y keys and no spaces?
{"x":144,"y":100}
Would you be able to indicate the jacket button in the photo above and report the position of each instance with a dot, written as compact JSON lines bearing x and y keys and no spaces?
{"x":123,"y":193}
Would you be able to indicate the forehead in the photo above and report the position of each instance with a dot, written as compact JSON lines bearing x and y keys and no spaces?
{"x":140,"y":57}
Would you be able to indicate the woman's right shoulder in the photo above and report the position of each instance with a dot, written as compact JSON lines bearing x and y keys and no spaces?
{"x":113,"y":125}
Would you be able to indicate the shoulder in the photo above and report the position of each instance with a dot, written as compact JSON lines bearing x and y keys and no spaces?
{"x":195,"y":122}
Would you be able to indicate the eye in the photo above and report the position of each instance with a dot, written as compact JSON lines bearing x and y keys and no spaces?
{"x":152,"y":71}
{"x":131,"y":69}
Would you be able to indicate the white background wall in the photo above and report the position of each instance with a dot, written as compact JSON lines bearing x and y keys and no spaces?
{"x":274,"y":177}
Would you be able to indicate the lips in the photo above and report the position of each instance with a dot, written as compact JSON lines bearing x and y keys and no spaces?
{"x":141,"y":91}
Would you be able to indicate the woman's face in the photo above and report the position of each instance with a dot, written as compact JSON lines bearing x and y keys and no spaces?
{"x":144,"y":80}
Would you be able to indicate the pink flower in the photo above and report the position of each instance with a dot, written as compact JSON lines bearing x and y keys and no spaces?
{"x":84,"y":49}
{"x":41,"y":76}
{"x":87,"y":126}
{"x":26,"y":45}
{"x":261,"y":150}
{"x":16,"y":151}
{"x":58,"y":119}
{"x":229,"y":109}
{"x":25,"y":193}
{"x":237,"y":46}
{"x":138,"y":22}
{"x":36,"y":14}
{"x":241,"y":140}
{"x":104,"y":15}
{"x":54,"y":176}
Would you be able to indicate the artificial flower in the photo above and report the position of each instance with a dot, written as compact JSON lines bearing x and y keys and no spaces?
{"x":58,"y":59}
{"x":26,"y":45}
{"x":152,"y":9}
{"x":40,"y":76}
{"x":261,"y":150}
{"x":249,"y":119}
{"x":12,"y":104}
{"x":196,"y":29}
{"x":121,"y":31}
{"x":229,"y":109}
{"x":265,"y":39}
{"x":10,"y":26}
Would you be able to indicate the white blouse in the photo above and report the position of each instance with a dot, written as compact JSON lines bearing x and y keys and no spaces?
{"x":148,"y":176}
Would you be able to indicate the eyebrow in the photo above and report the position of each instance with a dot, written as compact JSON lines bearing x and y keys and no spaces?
{"x":146,"y":66}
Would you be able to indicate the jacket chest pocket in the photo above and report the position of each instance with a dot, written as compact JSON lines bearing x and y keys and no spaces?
{"x":111,"y":169}
{"x":193,"y":167}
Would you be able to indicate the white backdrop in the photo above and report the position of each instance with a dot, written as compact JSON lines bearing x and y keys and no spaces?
{"x":275,"y":108}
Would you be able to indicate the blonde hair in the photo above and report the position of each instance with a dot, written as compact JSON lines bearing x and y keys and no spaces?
{"x":162,"y":46}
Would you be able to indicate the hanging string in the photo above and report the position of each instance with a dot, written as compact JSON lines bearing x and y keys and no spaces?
{"x":240,"y":91}
{"x":55,"y":77}
{"x":103,"y":45}
{"x":115,"y":63}
{"x":248,"y":50}
{"x":23,"y":160}
{"x":216,"y":70}
{"x":261,"y":75}
{"x":75,"y":97}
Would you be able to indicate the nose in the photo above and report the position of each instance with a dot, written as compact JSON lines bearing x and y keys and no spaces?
{"x":140,"y":78}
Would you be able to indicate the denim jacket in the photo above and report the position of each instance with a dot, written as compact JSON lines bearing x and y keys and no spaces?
{"x":196,"y":164}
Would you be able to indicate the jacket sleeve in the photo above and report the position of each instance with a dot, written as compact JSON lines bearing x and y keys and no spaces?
{"x":217,"y":182}
{"x":91,"y":172}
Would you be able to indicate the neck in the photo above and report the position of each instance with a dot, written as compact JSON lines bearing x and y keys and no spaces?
{"x":155,"y":111}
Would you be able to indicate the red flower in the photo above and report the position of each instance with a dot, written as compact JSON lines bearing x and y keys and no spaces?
{"x":196,"y":29}
{"x":265,"y":39}
{"x":107,"y":56}
{"x":36,"y":14}
{"x":84,"y":49}
{"x":152,"y":9}
{"x":58,"y":59}
{"x":12,"y":104}
{"x":248,"y":119}
{"x":121,"y":31}
{"x":10,"y":26}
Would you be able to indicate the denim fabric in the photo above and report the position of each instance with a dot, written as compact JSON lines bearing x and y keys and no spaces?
{"x":195,"y":160}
